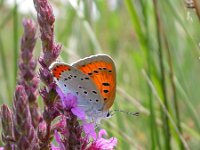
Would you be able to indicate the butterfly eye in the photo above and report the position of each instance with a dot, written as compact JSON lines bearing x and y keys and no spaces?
{"x":108,"y":115}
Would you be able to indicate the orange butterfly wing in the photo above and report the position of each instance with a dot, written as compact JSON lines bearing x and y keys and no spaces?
{"x":101,"y":69}
{"x":56,"y":71}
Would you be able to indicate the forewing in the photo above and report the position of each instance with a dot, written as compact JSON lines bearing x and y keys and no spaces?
{"x":72,"y":80}
{"x":101,"y":69}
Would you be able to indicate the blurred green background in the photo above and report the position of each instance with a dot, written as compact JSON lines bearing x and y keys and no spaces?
{"x":155,"y":45}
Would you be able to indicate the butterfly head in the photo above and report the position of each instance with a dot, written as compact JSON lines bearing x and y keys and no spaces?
{"x":98,"y":116}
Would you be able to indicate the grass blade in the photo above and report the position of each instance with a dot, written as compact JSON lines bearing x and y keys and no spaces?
{"x":5,"y":69}
{"x":166,"y":128}
{"x":15,"y":40}
{"x":136,"y":23}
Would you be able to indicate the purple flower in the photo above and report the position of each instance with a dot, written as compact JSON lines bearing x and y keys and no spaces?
{"x":69,"y":101}
{"x":24,"y":127}
{"x":7,"y":135}
{"x":61,"y":125}
{"x":89,"y":129}
{"x":24,"y":131}
{"x":102,"y":143}
{"x":50,"y":52}
{"x":27,"y":66}
{"x":54,"y":147}
{"x":59,"y":141}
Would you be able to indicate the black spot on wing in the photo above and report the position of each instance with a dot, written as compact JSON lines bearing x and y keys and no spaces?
{"x":106,"y":84}
{"x":105,"y":91}
{"x":94,"y":92}
{"x":86,"y":78}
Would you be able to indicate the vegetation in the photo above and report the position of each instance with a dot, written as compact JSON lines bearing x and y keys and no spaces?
{"x":155,"y":45}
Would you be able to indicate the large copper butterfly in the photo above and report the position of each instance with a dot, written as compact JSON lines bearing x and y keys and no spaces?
{"x":92,"y":80}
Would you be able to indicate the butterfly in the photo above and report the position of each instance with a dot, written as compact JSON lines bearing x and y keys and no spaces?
{"x":92,"y":80}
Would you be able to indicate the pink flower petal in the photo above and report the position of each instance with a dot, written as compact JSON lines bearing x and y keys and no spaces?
{"x":70,"y":101}
{"x":102,"y":143}
{"x":53,"y":147}
{"x":89,"y":129}
{"x":60,"y":93}
{"x":101,"y":133}
{"x":78,"y":112}
{"x":57,"y":136}
{"x":58,"y":140}
{"x":106,"y":143}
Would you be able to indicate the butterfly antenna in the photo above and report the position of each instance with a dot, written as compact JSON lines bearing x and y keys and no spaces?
{"x":126,"y":112}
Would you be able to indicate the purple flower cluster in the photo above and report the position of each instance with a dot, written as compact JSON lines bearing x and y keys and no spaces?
{"x":69,"y":103}
{"x":24,"y":126}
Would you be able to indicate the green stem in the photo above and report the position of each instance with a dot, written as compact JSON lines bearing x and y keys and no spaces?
{"x":163,"y":81}
{"x":177,"y":115}
{"x":136,"y":24}
{"x":153,"y":125}
{"x":5,"y":69}
{"x":15,"y":39}
{"x":5,"y":20}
